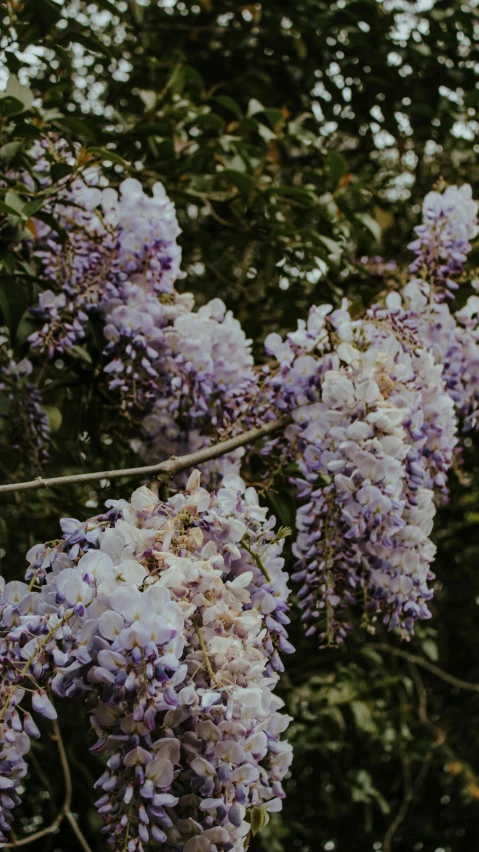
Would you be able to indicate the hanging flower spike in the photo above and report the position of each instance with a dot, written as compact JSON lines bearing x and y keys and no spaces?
{"x":166,"y":620}
{"x":375,"y":431}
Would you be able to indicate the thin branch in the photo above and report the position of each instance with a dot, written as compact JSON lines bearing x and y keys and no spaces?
{"x":65,"y":812}
{"x":204,"y":651}
{"x":257,"y":559}
{"x":165,"y":470}
{"x":439,"y":735}
{"x":68,"y":788}
{"x":76,"y":828}
{"x":439,"y":740}
{"x":65,"y":767}
{"x":50,"y":829}
{"x":408,"y":798}
{"x":425,"y":664}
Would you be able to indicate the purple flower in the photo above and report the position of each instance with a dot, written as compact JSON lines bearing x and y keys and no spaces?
{"x":162,"y":613}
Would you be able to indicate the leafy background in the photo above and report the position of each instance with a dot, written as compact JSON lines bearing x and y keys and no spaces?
{"x":295,"y":139}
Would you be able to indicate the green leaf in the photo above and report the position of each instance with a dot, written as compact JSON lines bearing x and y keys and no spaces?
{"x":284,"y":508}
{"x":430,"y":648}
{"x":108,"y":5}
{"x":13,"y":302}
{"x":105,"y":154}
{"x":33,"y":206}
{"x":10,"y":106}
{"x":53,"y":223}
{"x":47,"y":12}
{"x":193,"y":75}
{"x":4,"y":404}
{"x":177,"y":80}
{"x":254,"y":107}
{"x":60,"y":170}
{"x":5,"y":208}
{"x":259,"y":818}
{"x":245,"y":183}
{"x":298,"y":192}
{"x":210,"y":121}
{"x":19,"y":93}
{"x":371,"y":654}
{"x":370,"y":223}
{"x":9,"y":151}
{"x":54,"y":417}
{"x":27,"y":131}
{"x":94,"y":45}
{"x":229,"y":104}
{"x":249,"y":124}
{"x":265,"y":133}
{"x":77,"y":125}
{"x":292,"y":468}
{"x":81,"y":353}
{"x":362,"y":717}
{"x":337,"y":167}
{"x":274,"y":116}
{"x":26,"y":327}
{"x":14,"y":201}
{"x":334,"y":249}
{"x":149,"y":97}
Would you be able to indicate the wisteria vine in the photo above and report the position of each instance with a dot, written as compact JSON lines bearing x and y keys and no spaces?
{"x":167,"y":620}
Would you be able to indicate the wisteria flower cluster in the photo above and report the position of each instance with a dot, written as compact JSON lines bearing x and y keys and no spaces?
{"x":375,"y":430}
{"x":209,"y":388}
{"x":450,"y":222}
{"x":453,"y":340}
{"x":189,"y":373}
{"x":113,"y":238}
{"x":443,"y":239}
{"x":166,"y":621}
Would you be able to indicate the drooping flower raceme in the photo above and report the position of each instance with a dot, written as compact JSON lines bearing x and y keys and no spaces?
{"x":449,"y":224}
{"x":166,"y":621}
{"x":443,"y":239}
{"x":207,"y":386}
{"x":112,"y":238}
{"x":190,"y":374}
{"x":375,"y":432}
{"x":452,"y":339}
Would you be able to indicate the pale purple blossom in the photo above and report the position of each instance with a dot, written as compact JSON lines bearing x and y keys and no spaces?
{"x":170,"y":618}
{"x":374,"y":432}
{"x":443,"y":238}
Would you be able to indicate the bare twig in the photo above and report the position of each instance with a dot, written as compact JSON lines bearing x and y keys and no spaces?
{"x":65,"y":767}
{"x":50,"y":829}
{"x":439,"y":740}
{"x":425,"y":664}
{"x":438,"y":734}
{"x":204,"y":651}
{"x":65,"y":812}
{"x":165,"y":470}
{"x":408,"y":798}
{"x":76,"y":829}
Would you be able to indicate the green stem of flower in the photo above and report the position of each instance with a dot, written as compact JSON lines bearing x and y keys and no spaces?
{"x":257,"y":560}
{"x":204,"y":651}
